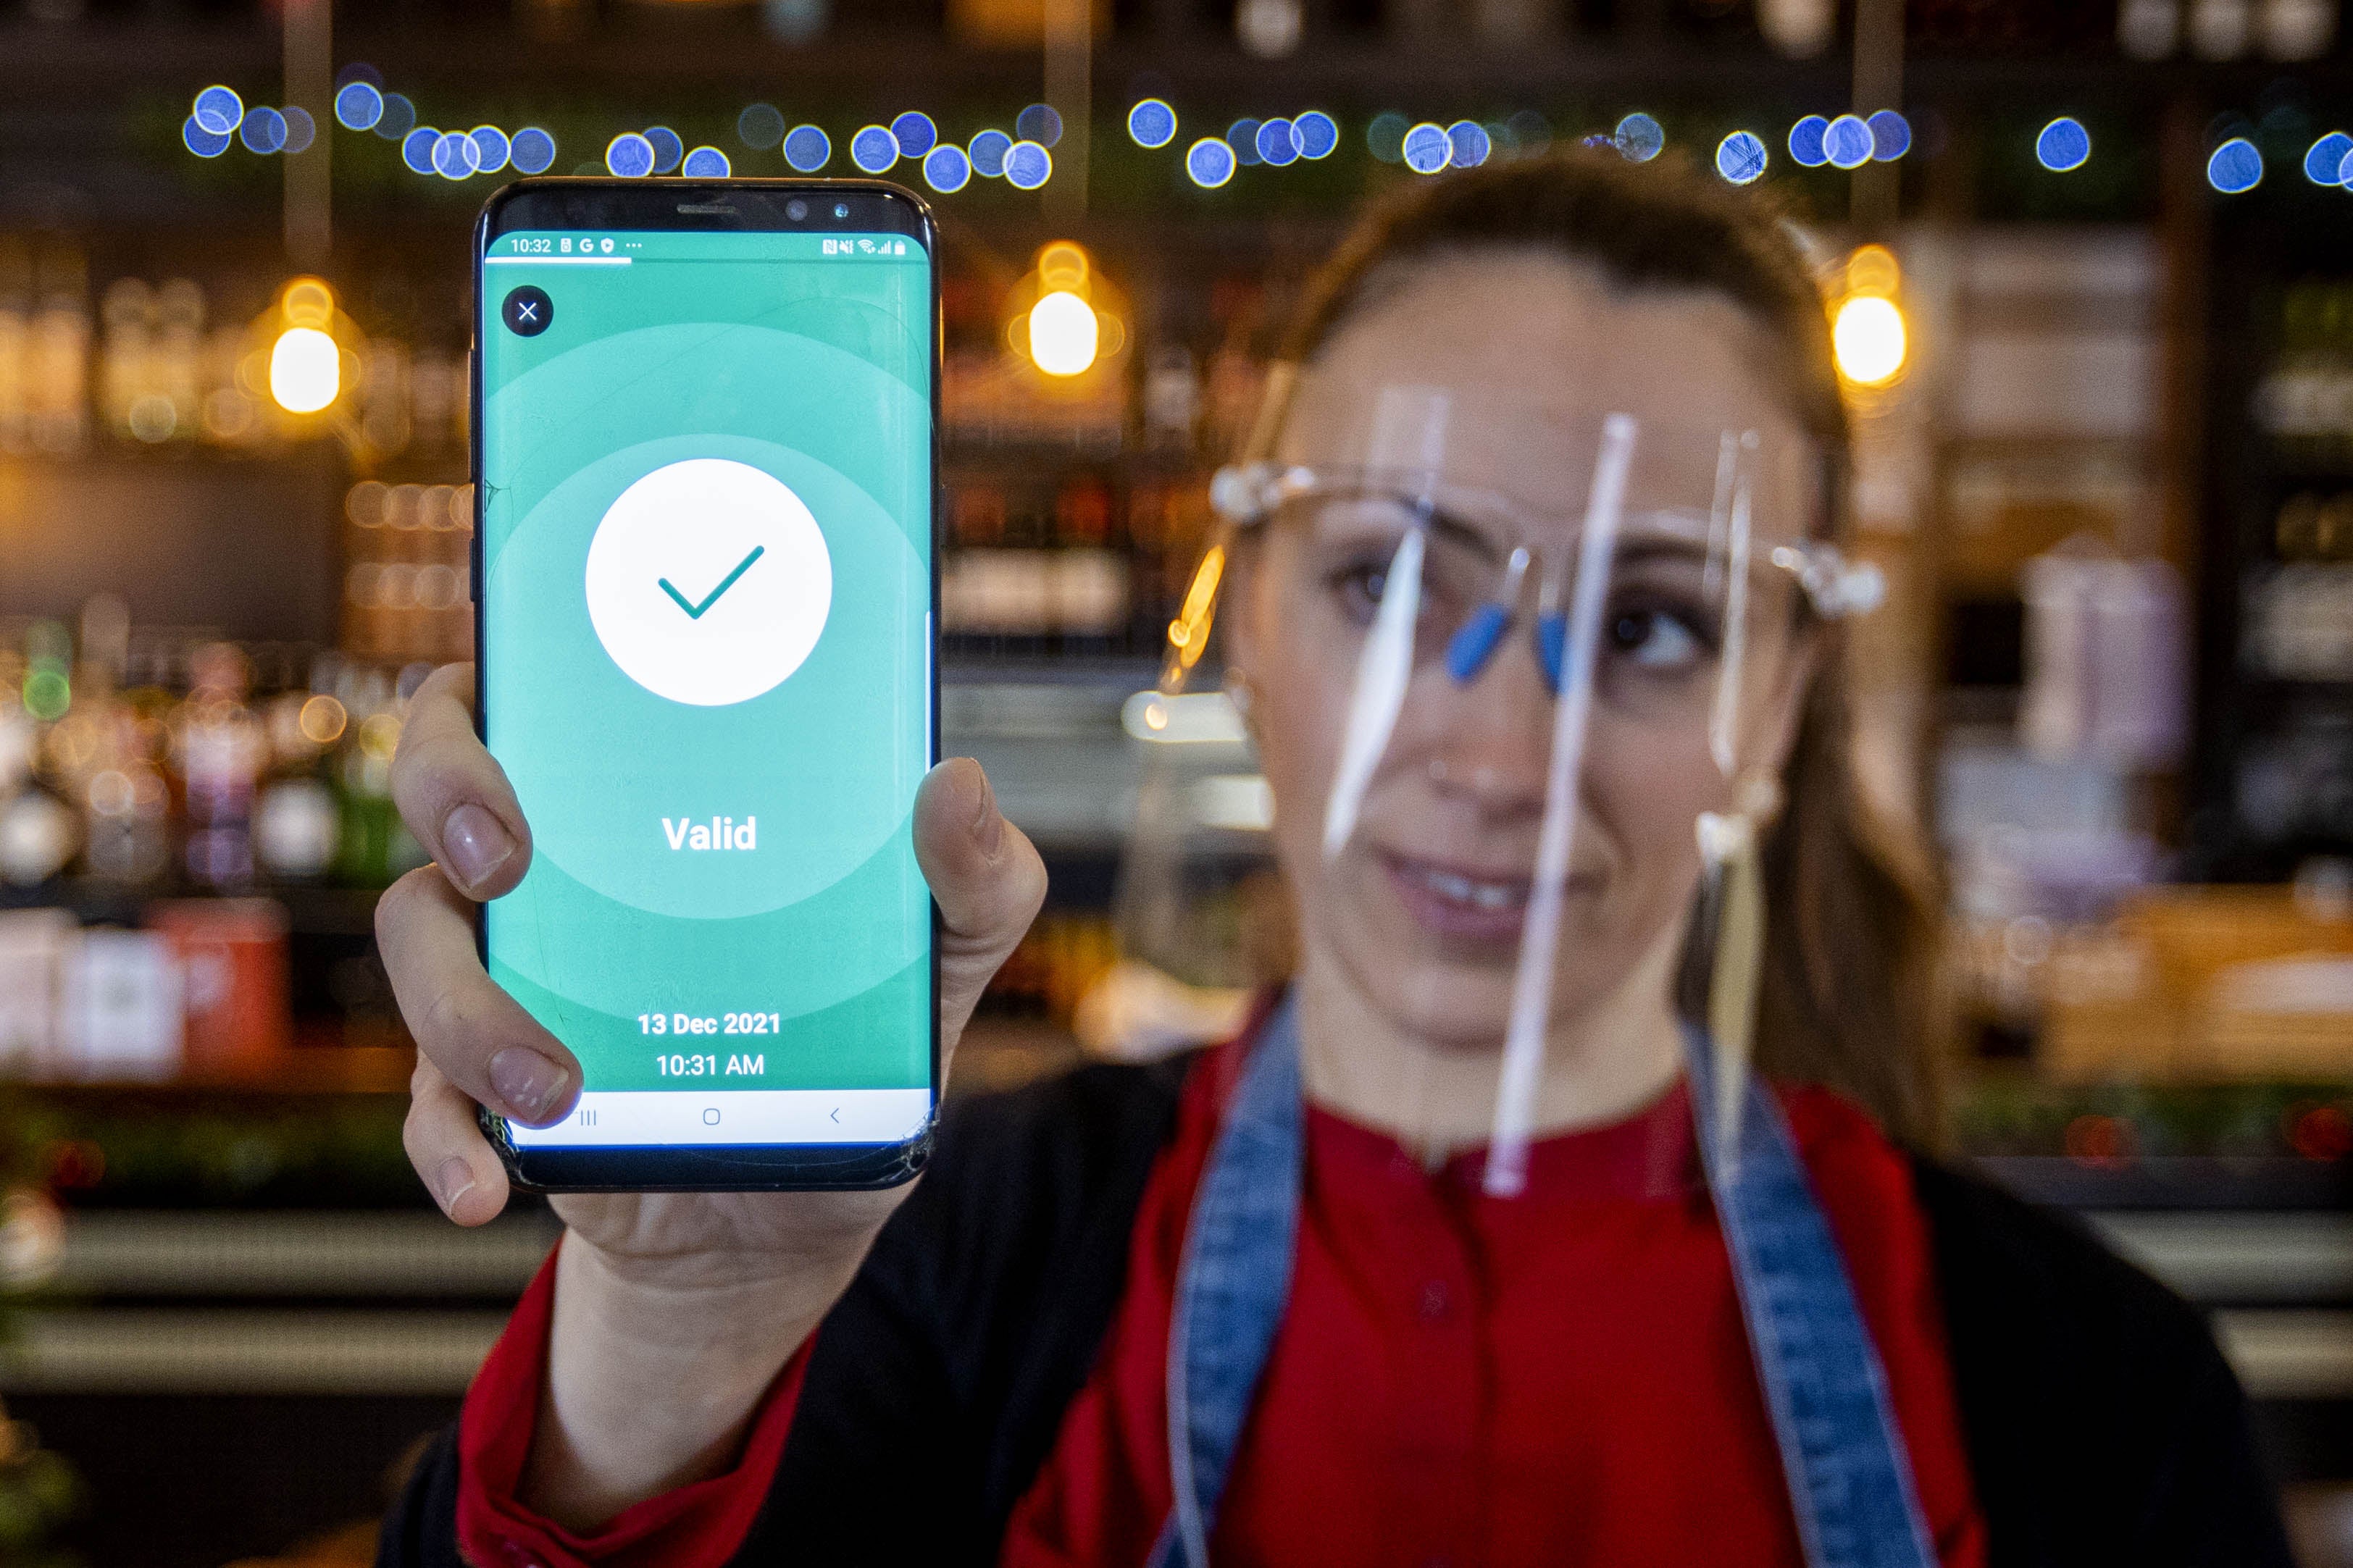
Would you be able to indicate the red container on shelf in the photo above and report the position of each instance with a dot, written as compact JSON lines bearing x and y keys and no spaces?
{"x":233,"y":957}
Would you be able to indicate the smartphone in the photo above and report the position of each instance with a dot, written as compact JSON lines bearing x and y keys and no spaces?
{"x":706,"y":418}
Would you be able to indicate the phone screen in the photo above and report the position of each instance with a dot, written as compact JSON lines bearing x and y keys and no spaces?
{"x":706,"y":561}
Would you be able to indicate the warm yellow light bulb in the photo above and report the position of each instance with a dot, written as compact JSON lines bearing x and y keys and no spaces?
{"x":306,"y":370}
{"x":1868,"y":337}
{"x":1063,"y":333}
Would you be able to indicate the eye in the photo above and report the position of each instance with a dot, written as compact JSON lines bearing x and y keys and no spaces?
{"x":1656,"y":640}
{"x":1359,"y":587}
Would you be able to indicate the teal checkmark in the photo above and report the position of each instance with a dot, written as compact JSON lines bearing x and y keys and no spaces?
{"x":694,"y":612}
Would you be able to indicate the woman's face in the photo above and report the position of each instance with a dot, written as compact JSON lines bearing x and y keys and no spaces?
{"x":1421,"y":908}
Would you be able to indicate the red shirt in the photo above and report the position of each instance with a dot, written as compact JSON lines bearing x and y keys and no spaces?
{"x":1558,"y":1378}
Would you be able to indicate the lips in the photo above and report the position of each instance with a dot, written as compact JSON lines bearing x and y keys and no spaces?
{"x":1458,"y":901}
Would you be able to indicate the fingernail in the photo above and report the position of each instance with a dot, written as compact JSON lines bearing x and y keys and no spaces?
{"x":452,"y":1181}
{"x":987,"y":823}
{"x":474,"y":843}
{"x":528,"y":1083}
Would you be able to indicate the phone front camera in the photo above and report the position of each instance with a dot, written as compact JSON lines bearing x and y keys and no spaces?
{"x":797,"y":210}
{"x":841,"y":209}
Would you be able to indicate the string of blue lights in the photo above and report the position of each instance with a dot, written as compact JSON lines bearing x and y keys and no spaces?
{"x":1024,"y":157}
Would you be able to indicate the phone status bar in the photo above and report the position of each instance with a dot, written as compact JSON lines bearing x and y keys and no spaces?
{"x":557,"y":249}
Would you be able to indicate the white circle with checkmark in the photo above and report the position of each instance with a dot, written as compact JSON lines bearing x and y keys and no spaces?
{"x":709,"y":581}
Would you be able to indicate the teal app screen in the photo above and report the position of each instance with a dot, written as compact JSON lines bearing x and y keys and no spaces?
{"x":706,"y":538}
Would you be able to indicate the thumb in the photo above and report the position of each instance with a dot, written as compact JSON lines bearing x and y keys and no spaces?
{"x":986,"y":878}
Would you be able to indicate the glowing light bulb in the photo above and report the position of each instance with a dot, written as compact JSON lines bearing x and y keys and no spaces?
{"x":1868,"y":338}
{"x":306,"y":370}
{"x":1063,"y":333}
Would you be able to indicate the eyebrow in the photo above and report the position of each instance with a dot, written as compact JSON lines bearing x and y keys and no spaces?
{"x":1684,"y":536}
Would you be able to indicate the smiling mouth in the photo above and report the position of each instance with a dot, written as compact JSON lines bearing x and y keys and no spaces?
{"x":1457,"y":901}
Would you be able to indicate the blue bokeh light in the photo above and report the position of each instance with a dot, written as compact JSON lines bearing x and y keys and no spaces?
{"x":417,"y":148}
{"x":987,"y":152}
{"x":492,"y":148}
{"x":1741,"y":157}
{"x":2236,"y":166}
{"x":203,"y":143}
{"x":532,"y":150}
{"x":1806,"y":142}
{"x":629,"y":155}
{"x":1152,"y":123}
{"x":219,"y":111}
{"x":1470,"y":144}
{"x":1040,"y":123}
{"x":760,"y":127}
{"x":1427,"y":148}
{"x":1243,"y":137}
{"x":916,"y":133}
{"x":808,"y":149}
{"x":1209,"y":162}
{"x":1639,"y":138}
{"x":398,"y":118}
{"x":358,"y":106}
{"x":1891,"y":135}
{"x":1385,"y":136}
{"x":301,"y":129}
{"x":2061,"y":146}
{"x":1847,"y":143}
{"x":947,"y":168}
{"x":706,"y":163}
{"x":1276,"y":144}
{"x":455,"y":156}
{"x":1028,"y":165}
{"x":262,"y":130}
{"x":2325,"y":157}
{"x":668,"y":147}
{"x":874,"y":149}
{"x":1317,"y":134}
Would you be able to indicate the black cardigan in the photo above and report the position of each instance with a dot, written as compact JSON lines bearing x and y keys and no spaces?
{"x":2102,"y":1423}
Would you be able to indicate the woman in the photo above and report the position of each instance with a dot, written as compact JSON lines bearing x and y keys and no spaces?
{"x":1779,"y":1339}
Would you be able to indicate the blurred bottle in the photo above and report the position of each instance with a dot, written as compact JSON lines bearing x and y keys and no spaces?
{"x":2296,"y":30}
{"x":15,"y":345}
{"x":1172,"y":401}
{"x":56,"y":379}
{"x":122,"y":1011}
{"x":232,"y":957}
{"x":219,"y":747}
{"x":2107,"y":659}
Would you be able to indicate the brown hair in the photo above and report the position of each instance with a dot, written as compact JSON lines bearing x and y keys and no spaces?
{"x":1851,"y":955}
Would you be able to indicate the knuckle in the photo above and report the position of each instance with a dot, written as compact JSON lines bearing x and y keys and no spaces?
{"x":445,"y":1020}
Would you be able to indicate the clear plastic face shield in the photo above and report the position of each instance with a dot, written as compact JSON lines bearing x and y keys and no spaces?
{"x":1520,"y":677}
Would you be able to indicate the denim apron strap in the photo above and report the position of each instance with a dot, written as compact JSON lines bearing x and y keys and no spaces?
{"x":1849,"y":1480}
{"x":1232,"y":1289}
{"x":1850,"y":1476}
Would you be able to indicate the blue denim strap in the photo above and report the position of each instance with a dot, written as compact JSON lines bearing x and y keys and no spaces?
{"x":1234,"y":1282}
{"x":1849,"y":1480}
{"x":1850,"y":1476}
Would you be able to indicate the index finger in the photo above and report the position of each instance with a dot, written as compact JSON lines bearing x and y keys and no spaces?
{"x":452,"y":792}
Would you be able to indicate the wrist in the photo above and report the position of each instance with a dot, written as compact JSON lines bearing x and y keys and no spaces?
{"x":653,"y":1375}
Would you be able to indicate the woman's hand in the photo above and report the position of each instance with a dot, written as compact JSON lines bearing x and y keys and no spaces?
{"x":673,"y":1310}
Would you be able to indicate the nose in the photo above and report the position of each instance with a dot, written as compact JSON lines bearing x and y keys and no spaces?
{"x":1488,"y":741}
